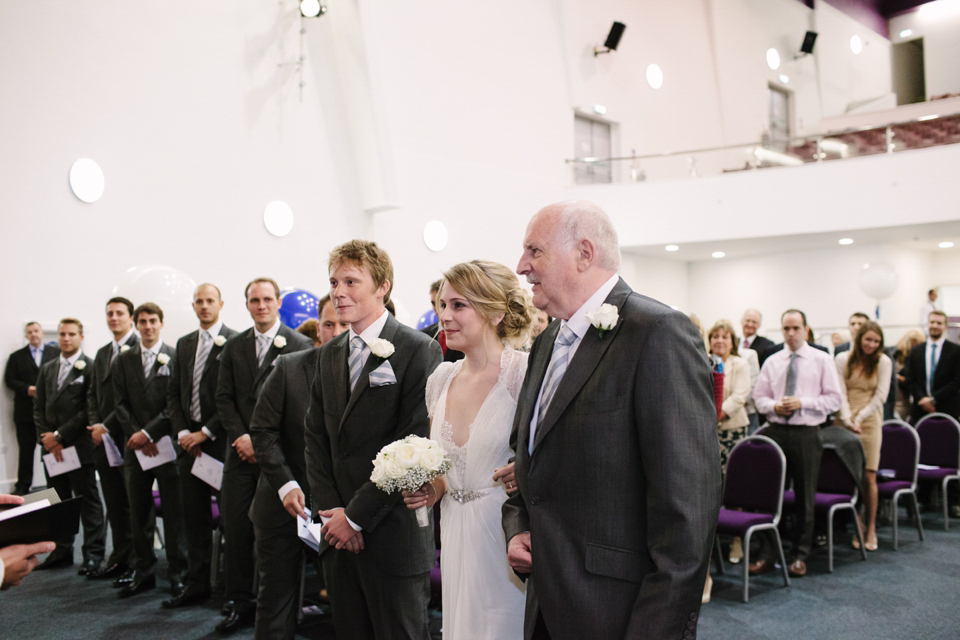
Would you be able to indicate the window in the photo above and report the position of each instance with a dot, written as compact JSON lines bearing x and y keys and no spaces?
{"x":591,"y":139}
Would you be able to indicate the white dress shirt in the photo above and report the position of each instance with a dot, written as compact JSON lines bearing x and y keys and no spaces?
{"x":817,"y":386}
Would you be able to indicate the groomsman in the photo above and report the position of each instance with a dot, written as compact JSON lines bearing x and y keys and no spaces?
{"x":141,"y":378}
{"x":193,"y":417}
{"x":60,"y":415}
{"x":101,"y":412}
{"x":21,"y":373}
{"x":376,"y":559}
{"x":244,"y":365}
{"x":276,"y":428}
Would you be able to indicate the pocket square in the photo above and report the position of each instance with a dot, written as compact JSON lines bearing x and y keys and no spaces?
{"x":163,"y":371}
{"x":77,"y":380}
{"x":383,"y":375}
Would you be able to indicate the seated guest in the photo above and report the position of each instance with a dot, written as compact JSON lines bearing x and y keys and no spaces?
{"x":798,"y":388}
{"x":853,"y":324}
{"x":864,"y":383}
{"x":905,"y":345}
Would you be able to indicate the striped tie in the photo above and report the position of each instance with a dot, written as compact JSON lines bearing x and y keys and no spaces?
{"x":356,"y":360}
{"x":148,"y":358}
{"x":263,"y":345}
{"x":203,"y":350}
{"x":64,"y":372}
{"x":558,"y":365}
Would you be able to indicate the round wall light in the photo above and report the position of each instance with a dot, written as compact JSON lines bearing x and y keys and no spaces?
{"x":773,"y":59}
{"x":86,"y":180}
{"x":856,"y":45}
{"x":654,"y":76}
{"x":435,"y":235}
{"x":278,"y":218}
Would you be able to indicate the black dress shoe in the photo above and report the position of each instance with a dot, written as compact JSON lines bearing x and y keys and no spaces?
{"x":56,"y":560}
{"x":176,"y":588}
{"x":187,"y":598}
{"x":140,"y":584}
{"x":89,"y":567}
{"x":110,"y":571}
{"x":237,"y":619}
{"x":125,"y":579}
{"x":226,"y":608}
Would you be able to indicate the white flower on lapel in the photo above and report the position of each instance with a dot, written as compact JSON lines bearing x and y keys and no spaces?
{"x":381,"y":348}
{"x":220,"y":341}
{"x":163,"y":358}
{"x":124,"y":348}
{"x":604,"y":318}
{"x":279,"y":342}
{"x":80,"y":365}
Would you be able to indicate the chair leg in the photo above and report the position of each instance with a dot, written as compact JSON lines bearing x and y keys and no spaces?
{"x":783,"y":559}
{"x":830,"y":539}
{"x":916,"y":510}
{"x":946,"y":508}
{"x":718,"y":554}
{"x":856,"y":523}
{"x":746,"y":564}
{"x":895,"y":518}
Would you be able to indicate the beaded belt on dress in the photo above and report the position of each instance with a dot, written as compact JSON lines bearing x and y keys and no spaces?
{"x":462,"y":496}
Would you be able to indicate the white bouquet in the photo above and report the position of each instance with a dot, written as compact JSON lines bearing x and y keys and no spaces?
{"x":409,"y":464}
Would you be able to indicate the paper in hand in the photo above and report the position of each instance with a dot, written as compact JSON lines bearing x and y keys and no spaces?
{"x":309,"y":532}
{"x":166,"y":454}
{"x":208,"y":469}
{"x":70,"y":462}
{"x":114,"y":457}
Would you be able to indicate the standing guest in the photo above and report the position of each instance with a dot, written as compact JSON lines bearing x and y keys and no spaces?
{"x":193,"y":415}
{"x":853,"y":324}
{"x":368,"y":392}
{"x":102,"y":414}
{"x":449,"y":355}
{"x":798,"y":388}
{"x":864,"y":383}
{"x":750,"y":323}
{"x":309,"y":328}
{"x":244,"y":364}
{"x":928,"y":307}
{"x":60,"y":415}
{"x":141,"y":378}
{"x":276,"y":429}
{"x":17,"y":560}
{"x":909,"y":340}
{"x":472,"y":403}
{"x":20,"y":376}
{"x":540,"y":322}
{"x":933,"y":372}
{"x":617,"y":466}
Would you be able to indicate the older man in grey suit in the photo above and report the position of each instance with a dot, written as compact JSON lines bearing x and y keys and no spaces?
{"x":369,"y":392}
{"x":617,"y":468}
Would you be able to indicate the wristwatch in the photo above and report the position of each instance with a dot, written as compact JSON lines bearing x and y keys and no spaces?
{"x":56,"y":435}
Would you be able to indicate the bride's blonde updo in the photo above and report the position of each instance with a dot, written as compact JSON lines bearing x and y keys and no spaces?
{"x":494,"y":290}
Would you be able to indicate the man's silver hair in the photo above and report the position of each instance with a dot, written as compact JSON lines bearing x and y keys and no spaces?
{"x":582,"y":220}
{"x":756,"y":311}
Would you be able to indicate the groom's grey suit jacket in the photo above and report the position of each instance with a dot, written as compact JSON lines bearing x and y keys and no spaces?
{"x":345,"y":431}
{"x":622,"y":490}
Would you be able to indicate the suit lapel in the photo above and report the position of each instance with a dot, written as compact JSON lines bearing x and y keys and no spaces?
{"x":272,"y":354}
{"x":214,"y":352}
{"x":249,"y":349}
{"x":188,"y":356}
{"x":585,"y":360}
{"x":388,"y":333}
{"x":337,"y":376}
{"x":536,"y":371}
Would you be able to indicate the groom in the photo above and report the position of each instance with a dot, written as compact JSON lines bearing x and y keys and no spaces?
{"x":617,"y":462}
{"x":369,"y":392}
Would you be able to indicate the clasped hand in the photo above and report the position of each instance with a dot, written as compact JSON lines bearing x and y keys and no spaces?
{"x":244,"y":447}
{"x":338,"y":532}
{"x":96,"y":432}
{"x":787,"y":405}
{"x":140,"y":442}
{"x":50,"y":443}
{"x":520,"y":553}
{"x":192,"y":441}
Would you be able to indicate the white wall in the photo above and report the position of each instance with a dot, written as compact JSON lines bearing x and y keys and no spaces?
{"x":938,"y":23}
{"x":663,"y":280}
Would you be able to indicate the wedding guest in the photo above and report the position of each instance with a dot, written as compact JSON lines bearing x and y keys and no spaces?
{"x":864,"y":383}
{"x":471,"y":403}
{"x":907,"y":342}
{"x":853,"y":326}
{"x":540,"y":323}
{"x":309,"y":328}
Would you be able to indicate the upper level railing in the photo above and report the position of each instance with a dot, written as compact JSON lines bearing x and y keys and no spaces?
{"x":917,"y":133}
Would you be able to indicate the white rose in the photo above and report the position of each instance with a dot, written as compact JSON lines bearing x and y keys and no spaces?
{"x":163,"y":358}
{"x":604,"y":318}
{"x":431,"y":459}
{"x":381,"y":348}
{"x":378,"y":472}
{"x":408,"y":455}
{"x":279,"y":342}
{"x":124,"y":348}
{"x":220,"y":341}
{"x":393,"y":469}
{"x":80,"y":365}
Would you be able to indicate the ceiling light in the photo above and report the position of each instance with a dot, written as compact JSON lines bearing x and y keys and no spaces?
{"x":784,"y":78}
{"x":435,"y":235}
{"x":718,"y":254}
{"x":654,"y":76}
{"x":945,"y":245}
{"x":906,"y":33}
{"x":845,"y":240}
{"x":672,"y":247}
{"x":930,"y":117}
{"x":856,"y":45}
{"x":86,"y":180}
{"x":600,"y":109}
{"x":278,"y":218}
{"x":773,"y":59}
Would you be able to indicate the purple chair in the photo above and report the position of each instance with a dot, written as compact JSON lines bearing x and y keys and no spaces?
{"x":836,"y":491}
{"x":897,"y":475}
{"x":752,"y":499}
{"x":940,"y":448}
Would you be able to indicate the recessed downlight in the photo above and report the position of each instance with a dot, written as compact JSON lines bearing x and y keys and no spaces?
{"x":718,"y":254}
{"x":845,"y":241}
{"x":945,"y":245}
{"x":672,"y":247}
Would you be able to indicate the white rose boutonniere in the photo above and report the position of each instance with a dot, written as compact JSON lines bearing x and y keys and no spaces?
{"x":80,"y":365}
{"x":381,"y":348}
{"x":124,"y":348}
{"x":220,"y":341}
{"x":279,"y":342}
{"x":163,"y":358}
{"x":604,"y":319}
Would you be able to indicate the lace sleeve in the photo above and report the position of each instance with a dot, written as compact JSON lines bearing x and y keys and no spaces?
{"x":435,"y":384}
{"x":513,"y":368}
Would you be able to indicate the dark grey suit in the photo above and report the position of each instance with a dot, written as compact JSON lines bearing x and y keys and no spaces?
{"x":383,"y":591}
{"x":65,"y":411}
{"x":238,"y":387}
{"x":21,"y":374}
{"x":276,"y":428}
{"x":142,"y":404}
{"x":198,"y":519}
{"x":622,"y":490}
{"x":102,"y":409}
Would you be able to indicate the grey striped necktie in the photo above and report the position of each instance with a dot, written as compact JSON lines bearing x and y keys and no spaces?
{"x":148,"y":358}
{"x":115,"y":353}
{"x":64,"y":372}
{"x":558,"y":366}
{"x":791,"y":387}
{"x":356,"y":360}
{"x":263,"y":345}
{"x":203,"y":350}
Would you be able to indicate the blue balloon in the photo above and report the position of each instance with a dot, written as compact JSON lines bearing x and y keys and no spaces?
{"x":427,"y":319}
{"x":297,"y":306}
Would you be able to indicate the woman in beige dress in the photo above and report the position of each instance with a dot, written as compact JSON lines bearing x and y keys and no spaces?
{"x":865,"y":373}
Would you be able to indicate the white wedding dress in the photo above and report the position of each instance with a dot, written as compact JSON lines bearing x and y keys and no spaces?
{"x":482,"y":597}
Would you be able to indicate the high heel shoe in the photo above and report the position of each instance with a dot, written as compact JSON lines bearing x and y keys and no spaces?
{"x":736,"y":550}
{"x":707,"y":588}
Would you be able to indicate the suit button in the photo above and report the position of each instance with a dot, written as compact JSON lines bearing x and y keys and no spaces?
{"x":691,"y":626}
{"x":693,"y":616}
{"x":687,"y":634}
{"x":535,"y":501}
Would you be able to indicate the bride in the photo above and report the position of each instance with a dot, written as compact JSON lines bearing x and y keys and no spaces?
{"x":485,"y":314}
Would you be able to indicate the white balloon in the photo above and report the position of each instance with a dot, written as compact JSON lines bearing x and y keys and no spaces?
{"x":879,"y":280}
{"x":169,"y":288}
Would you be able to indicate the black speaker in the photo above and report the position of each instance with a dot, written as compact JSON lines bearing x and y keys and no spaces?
{"x":808,"y":40}
{"x":616,"y":32}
